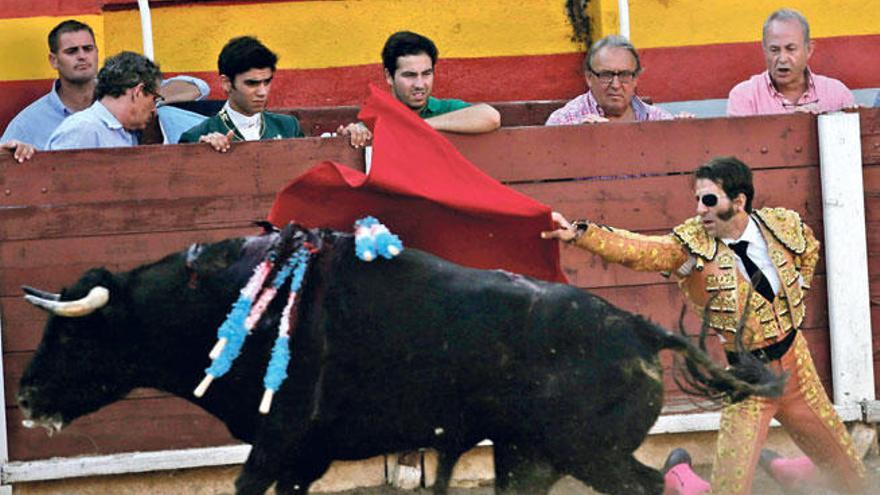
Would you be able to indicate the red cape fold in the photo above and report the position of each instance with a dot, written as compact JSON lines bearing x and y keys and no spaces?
{"x":428,"y":194}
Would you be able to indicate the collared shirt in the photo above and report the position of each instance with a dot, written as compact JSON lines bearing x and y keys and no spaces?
{"x":437,"y":107}
{"x":35,"y":123}
{"x":250,"y":127}
{"x":758,"y":253}
{"x":38,"y":121}
{"x":577,"y":110}
{"x":94,"y":127}
{"x":758,"y":96}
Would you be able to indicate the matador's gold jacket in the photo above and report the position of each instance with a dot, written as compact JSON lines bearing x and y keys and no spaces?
{"x":705,"y":266}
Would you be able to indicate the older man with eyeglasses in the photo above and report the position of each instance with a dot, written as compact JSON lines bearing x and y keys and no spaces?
{"x":126,"y":95}
{"x":612,"y":69}
{"x":787,"y":85}
{"x":746,"y":272}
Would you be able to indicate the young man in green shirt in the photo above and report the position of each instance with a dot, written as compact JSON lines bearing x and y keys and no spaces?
{"x":409,"y":60}
{"x":246,"y":70}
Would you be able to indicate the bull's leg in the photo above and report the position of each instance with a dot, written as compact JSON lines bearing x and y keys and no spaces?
{"x":296,"y":477}
{"x":446,"y":460}
{"x":625,"y":476}
{"x":520,"y":470}
{"x":258,"y":473}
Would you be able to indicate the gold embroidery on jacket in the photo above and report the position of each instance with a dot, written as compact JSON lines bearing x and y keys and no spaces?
{"x":786,"y":226}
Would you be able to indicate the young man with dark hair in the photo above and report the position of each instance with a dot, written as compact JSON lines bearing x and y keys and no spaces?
{"x":246,"y":69}
{"x":715,"y":257}
{"x":409,"y":60}
{"x":126,"y":94}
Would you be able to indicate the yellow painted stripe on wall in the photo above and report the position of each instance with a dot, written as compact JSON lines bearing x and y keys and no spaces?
{"x":24,"y":48}
{"x":332,"y":34}
{"x":668,"y":23}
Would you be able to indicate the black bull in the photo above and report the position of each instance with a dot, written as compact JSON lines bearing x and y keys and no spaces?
{"x":386,"y":356}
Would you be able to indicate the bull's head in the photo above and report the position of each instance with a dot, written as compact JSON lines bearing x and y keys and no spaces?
{"x":74,"y":370}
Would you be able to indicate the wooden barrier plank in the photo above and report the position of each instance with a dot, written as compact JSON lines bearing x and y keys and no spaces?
{"x":662,"y":202}
{"x":133,"y":217}
{"x":52,"y":263}
{"x":165,"y":172}
{"x":869,"y":122}
{"x":126,"y":426}
{"x":317,"y":120}
{"x":537,"y":154}
{"x":148,"y":202}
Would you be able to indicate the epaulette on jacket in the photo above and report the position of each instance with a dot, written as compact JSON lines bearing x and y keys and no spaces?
{"x":695,"y":238}
{"x":786,"y":226}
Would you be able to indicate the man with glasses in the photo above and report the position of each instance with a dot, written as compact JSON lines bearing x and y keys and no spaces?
{"x":715,"y":257}
{"x":787,"y":85}
{"x":126,"y":94}
{"x":73,"y":53}
{"x":612,"y":69}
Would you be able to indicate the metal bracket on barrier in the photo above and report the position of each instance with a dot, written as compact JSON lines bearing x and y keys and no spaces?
{"x":870,"y":411}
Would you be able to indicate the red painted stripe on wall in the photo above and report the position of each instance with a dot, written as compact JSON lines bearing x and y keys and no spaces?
{"x":17,"y":95}
{"x":35,"y":8}
{"x":489,"y":79}
{"x":710,"y":71}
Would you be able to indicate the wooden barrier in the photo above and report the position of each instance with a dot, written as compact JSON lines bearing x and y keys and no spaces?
{"x":64,"y":212}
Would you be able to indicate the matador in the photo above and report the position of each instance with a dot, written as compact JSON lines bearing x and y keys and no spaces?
{"x":716,"y":257}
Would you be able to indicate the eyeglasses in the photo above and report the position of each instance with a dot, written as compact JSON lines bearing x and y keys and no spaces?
{"x":709,"y":200}
{"x":157,"y":98}
{"x":606,"y":76}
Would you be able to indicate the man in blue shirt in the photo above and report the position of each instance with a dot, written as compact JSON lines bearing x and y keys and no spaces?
{"x":127,"y":91}
{"x":74,"y":54}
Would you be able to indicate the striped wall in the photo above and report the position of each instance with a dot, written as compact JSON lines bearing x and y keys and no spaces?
{"x":490,"y":50}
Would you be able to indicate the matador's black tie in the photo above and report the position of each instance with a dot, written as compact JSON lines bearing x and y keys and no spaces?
{"x":762,"y":285}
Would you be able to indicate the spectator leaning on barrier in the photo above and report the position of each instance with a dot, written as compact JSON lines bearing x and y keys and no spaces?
{"x":787,"y":85}
{"x":126,"y":95}
{"x":246,"y":70}
{"x":409,"y":60}
{"x":74,"y":55}
{"x":612,"y":69}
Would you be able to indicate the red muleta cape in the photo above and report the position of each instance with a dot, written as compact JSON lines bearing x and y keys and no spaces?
{"x":428,"y":194}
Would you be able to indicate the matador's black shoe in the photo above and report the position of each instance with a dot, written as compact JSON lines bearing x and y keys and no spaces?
{"x":676,"y":457}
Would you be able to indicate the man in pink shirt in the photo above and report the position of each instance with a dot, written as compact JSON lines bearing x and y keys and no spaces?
{"x":612,"y":70}
{"x":787,"y":85}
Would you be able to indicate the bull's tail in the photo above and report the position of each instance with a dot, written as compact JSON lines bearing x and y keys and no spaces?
{"x":701,"y":376}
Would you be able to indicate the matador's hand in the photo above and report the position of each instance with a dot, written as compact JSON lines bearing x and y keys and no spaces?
{"x":568,"y":231}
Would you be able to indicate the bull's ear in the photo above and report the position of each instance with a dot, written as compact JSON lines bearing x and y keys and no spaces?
{"x":267,"y":226}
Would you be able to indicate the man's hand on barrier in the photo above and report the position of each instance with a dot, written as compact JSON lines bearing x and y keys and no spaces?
{"x":220,"y":142}
{"x":359,"y":133}
{"x":22,"y":152}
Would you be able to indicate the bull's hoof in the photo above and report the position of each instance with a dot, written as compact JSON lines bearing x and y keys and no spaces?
{"x":676,"y":457}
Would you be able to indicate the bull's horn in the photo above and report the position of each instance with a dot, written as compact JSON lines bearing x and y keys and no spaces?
{"x":49,"y":296}
{"x":95,"y":299}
